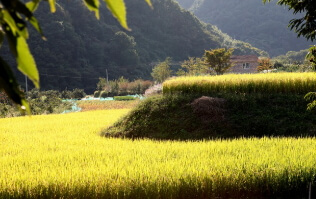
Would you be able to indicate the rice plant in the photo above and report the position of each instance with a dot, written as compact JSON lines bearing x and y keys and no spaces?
{"x":294,"y":83}
{"x":62,"y":156}
{"x":89,"y":105}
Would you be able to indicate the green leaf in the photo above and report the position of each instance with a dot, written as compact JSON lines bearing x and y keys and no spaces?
{"x":16,"y":25}
{"x":311,"y":106}
{"x":1,"y":37}
{"x":23,"y":9}
{"x":52,"y":5}
{"x":25,"y":106}
{"x":32,"y":5}
{"x":36,"y":25}
{"x":10,"y":22}
{"x":311,"y":96}
{"x":93,"y":5}
{"x":26,"y":62}
{"x":10,"y":86}
{"x":311,"y":52}
{"x":149,"y":3}
{"x":11,"y":38}
{"x":118,"y":9}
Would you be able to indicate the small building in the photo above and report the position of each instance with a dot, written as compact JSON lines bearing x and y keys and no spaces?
{"x":244,"y":64}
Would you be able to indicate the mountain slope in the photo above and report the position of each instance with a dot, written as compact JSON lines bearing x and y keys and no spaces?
{"x":264,"y":26}
{"x":80,"y":49}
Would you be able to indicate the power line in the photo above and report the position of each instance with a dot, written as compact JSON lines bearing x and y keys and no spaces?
{"x":68,"y":76}
{"x":84,"y":77}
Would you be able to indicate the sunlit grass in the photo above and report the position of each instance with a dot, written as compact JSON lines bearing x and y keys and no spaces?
{"x":295,"y":83}
{"x":89,"y":105}
{"x":62,"y":156}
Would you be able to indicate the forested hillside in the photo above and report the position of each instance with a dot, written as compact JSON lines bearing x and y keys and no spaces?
{"x":79,"y":48}
{"x":263,"y":26}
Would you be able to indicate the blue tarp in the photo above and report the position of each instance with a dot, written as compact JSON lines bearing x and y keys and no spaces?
{"x":111,"y":98}
{"x":75,"y":108}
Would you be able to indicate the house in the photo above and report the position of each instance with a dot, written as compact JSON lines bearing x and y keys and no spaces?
{"x":244,"y":64}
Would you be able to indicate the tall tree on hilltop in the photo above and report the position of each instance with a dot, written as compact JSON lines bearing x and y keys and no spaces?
{"x":219,"y":59}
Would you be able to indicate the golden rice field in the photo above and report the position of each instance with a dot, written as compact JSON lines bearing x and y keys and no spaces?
{"x":295,"y":83}
{"x":62,"y":156}
{"x":89,"y":105}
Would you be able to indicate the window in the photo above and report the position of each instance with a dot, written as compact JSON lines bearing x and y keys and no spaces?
{"x":245,"y":65}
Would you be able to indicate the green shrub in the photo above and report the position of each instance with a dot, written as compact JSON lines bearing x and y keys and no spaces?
{"x":124,"y":98}
{"x":123,"y":86}
{"x":48,"y":102}
{"x":245,"y":115}
{"x":7,"y":110}
{"x":78,"y":93}
{"x":32,"y":94}
{"x":66,"y":94}
{"x":97,"y":94}
{"x":104,"y":94}
{"x":41,"y":102}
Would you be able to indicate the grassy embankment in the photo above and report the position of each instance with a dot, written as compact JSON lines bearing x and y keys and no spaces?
{"x":62,"y":156}
{"x":254,"y":105}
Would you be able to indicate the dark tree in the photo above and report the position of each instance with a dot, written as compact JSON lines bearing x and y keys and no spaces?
{"x":219,"y":59}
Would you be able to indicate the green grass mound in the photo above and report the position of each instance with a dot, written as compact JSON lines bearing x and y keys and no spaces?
{"x":226,"y":106}
{"x":124,"y":98}
{"x":219,"y":115}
